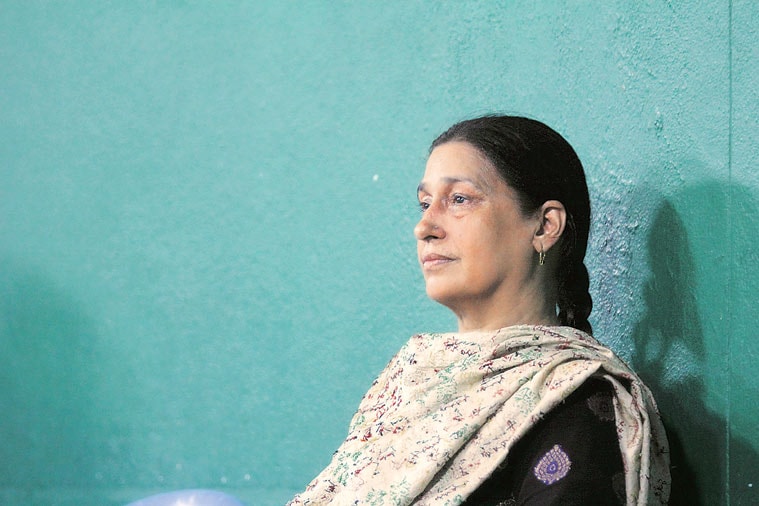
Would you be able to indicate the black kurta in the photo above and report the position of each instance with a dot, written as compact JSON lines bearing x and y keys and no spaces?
{"x":571,"y":457}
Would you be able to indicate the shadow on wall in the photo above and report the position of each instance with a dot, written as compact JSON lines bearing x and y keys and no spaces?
{"x":47,"y":391}
{"x":744,"y":366}
{"x":670,"y":352}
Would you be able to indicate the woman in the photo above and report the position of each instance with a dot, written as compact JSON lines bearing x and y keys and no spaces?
{"x":521,"y":405}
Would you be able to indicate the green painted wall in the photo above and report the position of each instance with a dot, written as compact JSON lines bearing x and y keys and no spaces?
{"x":206,"y":213}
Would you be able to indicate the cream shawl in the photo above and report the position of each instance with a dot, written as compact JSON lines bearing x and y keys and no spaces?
{"x":447,"y":408}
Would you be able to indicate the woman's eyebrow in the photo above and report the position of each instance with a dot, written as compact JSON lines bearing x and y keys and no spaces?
{"x":451,"y":180}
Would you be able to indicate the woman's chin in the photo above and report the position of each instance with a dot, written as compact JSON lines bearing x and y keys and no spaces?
{"x":442,"y":296}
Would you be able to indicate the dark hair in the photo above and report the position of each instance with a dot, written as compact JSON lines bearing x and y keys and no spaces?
{"x":540,"y":165}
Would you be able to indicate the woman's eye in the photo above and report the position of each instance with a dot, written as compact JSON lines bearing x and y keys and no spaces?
{"x":423,"y":206}
{"x":459,"y":199}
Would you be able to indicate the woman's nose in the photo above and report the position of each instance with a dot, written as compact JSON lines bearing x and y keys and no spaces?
{"x":428,"y":226}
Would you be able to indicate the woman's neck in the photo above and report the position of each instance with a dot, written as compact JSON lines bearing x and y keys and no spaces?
{"x":472,"y":324}
{"x":528,"y":308}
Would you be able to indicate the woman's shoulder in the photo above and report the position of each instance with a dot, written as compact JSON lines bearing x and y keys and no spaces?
{"x":571,"y":456}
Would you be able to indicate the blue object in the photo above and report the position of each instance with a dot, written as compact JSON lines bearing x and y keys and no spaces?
{"x":189,"y":498}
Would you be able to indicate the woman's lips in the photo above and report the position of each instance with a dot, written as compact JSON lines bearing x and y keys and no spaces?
{"x":432,"y":260}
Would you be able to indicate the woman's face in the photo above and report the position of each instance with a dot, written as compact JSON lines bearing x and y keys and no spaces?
{"x":474,"y":244}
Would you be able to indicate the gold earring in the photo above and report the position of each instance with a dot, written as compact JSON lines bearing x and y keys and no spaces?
{"x":541,"y":256}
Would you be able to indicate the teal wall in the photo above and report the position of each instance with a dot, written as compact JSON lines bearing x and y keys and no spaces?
{"x":206,"y":212}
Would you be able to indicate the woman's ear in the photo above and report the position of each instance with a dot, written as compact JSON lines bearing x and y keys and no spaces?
{"x":553,"y":220}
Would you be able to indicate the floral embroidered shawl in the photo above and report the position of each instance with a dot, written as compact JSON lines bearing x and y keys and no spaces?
{"x":447,"y":408}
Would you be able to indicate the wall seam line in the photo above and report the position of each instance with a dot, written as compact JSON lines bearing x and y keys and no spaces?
{"x":731,"y":249}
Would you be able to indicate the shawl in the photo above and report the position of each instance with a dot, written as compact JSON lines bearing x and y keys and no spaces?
{"x":448,"y":407}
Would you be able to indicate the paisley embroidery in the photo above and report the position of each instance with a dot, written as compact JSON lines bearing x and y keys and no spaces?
{"x":601,"y":405}
{"x":553,"y":466}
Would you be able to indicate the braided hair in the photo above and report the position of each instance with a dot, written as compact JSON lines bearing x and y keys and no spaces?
{"x":540,"y":165}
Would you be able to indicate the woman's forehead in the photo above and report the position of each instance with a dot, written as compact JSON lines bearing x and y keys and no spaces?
{"x":458,"y":162}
